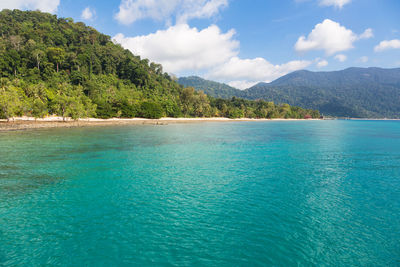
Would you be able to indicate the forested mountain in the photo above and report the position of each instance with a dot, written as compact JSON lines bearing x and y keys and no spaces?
{"x":51,"y":65}
{"x":211,"y":88}
{"x":353,"y":92}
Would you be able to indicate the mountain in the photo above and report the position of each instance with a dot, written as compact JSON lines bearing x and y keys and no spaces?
{"x":211,"y":88}
{"x":353,"y":92}
{"x":51,"y":65}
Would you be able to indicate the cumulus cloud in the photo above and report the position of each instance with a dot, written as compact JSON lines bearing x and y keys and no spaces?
{"x":335,"y":3}
{"x":330,"y":37}
{"x":341,"y":57}
{"x":385,"y":45}
{"x":368,"y":33}
{"x":180,"y":47}
{"x":42,"y":5}
{"x":245,"y":72}
{"x":210,"y":51}
{"x":88,"y":13}
{"x":164,"y":10}
{"x":322,"y":63}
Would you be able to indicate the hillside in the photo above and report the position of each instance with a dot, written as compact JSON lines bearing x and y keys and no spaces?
{"x":51,"y":65}
{"x":211,"y":88}
{"x":353,"y":92}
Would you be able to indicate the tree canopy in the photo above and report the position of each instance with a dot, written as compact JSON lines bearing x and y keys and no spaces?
{"x":51,"y":65}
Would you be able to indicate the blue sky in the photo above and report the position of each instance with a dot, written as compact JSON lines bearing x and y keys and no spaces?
{"x":243,"y":42}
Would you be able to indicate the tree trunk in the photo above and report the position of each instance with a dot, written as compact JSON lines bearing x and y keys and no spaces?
{"x":63,"y":114}
{"x":38,"y":62}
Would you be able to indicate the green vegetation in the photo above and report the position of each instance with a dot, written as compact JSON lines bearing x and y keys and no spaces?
{"x":51,"y":65}
{"x":211,"y":88}
{"x":354,"y":92}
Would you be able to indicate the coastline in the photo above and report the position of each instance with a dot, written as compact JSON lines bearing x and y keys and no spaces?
{"x":25,"y":123}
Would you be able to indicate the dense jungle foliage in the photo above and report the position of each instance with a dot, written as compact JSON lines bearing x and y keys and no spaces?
{"x":54,"y":66}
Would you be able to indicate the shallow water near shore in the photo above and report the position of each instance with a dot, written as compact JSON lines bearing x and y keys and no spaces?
{"x":210,"y":194}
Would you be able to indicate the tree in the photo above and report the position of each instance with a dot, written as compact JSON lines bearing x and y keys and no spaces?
{"x":71,"y":102}
{"x":38,"y":55}
{"x":187,"y":99}
{"x":10,"y":103}
{"x":201,"y":104}
{"x":56,"y":55}
{"x":39,"y":108}
{"x":16,"y":41}
{"x":60,"y":105}
{"x":151,"y":110}
{"x":73,"y":106}
{"x":156,"y":68}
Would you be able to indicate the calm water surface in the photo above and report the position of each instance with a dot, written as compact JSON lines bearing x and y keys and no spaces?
{"x":208,"y":194}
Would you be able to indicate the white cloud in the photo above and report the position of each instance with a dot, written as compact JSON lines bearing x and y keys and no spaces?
{"x":202,"y":9}
{"x":335,"y":3}
{"x":341,"y":57}
{"x":385,"y":45}
{"x":322,"y":63}
{"x":88,"y":13}
{"x":368,"y":33}
{"x":180,"y":47}
{"x":363,"y":59}
{"x":42,"y":5}
{"x":242,"y":84}
{"x":246,"y":72}
{"x":164,"y":10}
{"x":331,"y":37}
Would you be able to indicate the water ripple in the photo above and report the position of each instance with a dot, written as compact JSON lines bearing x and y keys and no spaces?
{"x":212,"y":194}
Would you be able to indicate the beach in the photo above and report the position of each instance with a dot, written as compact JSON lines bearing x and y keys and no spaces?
{"x":25,"y":123}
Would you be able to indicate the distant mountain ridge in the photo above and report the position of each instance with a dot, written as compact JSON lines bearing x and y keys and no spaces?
{"x":353,"y":92}
{"x":211,"y":88}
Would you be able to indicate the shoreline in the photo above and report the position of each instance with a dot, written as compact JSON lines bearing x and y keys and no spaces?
{"x":26,"y":123}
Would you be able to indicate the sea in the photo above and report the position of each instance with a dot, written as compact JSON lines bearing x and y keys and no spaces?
{"x":275,"y":193}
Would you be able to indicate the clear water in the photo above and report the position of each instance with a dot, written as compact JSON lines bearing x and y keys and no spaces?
{"x":208,"y":194}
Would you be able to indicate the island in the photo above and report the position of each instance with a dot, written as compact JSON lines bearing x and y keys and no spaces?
{"x":52,"y":66}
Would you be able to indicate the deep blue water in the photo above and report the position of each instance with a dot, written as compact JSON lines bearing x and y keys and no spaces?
{"x":205,"y":194}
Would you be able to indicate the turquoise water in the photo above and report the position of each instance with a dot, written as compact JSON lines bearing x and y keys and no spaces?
{"x":209,"y":194}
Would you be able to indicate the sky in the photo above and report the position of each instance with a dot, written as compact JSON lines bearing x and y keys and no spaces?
{"x":242,"y":42}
